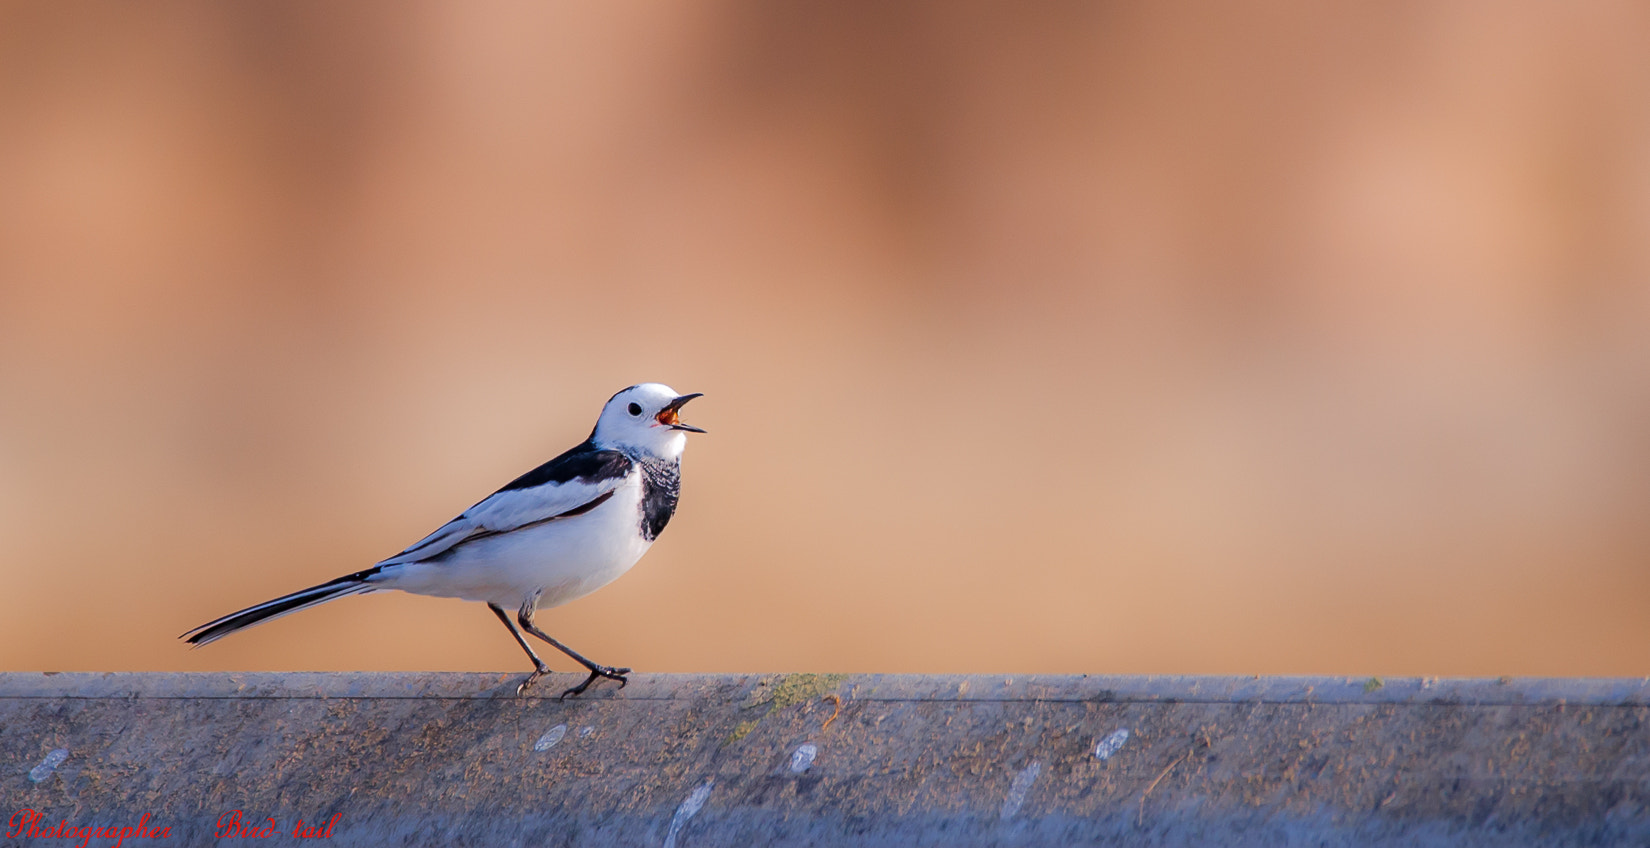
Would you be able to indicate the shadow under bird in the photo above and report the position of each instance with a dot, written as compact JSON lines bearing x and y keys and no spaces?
{"x":552,"y":535}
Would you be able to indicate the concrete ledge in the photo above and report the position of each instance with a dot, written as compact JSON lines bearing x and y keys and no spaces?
{"x":690,"y":760}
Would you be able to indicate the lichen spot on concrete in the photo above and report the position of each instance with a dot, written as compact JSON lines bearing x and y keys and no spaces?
{"x":802,"y":758}
{"x":1111,"y":744}
{"x":48,"y":765}
{"x":1018,"y":788}
{"x":785,"y":690}
{"x":550,"y":738}
{"x":690,"y":807}
{"x":778,"y":691}
{"x":743,"y":729}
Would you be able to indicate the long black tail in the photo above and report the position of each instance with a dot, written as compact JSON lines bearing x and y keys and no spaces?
{"x":349,"y":584}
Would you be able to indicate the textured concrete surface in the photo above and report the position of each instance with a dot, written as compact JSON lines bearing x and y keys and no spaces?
{"x":802,"y":759}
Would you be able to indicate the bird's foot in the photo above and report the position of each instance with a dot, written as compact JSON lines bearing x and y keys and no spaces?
{"x":597,"y":672}
{"x":538,"y":672}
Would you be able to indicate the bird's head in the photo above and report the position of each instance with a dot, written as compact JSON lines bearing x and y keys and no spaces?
{"x":643,"y":418}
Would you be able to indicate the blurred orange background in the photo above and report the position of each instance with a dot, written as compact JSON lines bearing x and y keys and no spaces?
{"x":1057,"y":337}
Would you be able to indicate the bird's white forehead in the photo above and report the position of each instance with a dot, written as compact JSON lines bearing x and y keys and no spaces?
{"x":646,"y":394}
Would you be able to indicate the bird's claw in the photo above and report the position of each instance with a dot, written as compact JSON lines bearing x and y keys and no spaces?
{"x":531,"y":679}
{"x":599,"y":671}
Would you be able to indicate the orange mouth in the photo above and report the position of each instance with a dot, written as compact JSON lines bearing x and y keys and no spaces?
{"x":667,"y":416}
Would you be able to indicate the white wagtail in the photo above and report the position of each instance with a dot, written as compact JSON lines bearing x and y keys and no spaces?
{"x":552,"y":535}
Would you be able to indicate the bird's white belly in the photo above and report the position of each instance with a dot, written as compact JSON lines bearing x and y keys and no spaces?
{"x":555,"y":562}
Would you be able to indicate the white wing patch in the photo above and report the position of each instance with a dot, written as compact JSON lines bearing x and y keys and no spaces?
{"x":507,"y":510}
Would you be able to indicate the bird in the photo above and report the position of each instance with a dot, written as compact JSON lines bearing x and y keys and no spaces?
{"x":550,"y":536}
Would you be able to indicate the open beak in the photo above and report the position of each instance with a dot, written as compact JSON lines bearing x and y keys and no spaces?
{"x":667,"y":416}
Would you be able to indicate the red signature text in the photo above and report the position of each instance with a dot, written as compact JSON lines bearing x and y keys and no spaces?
{"x":27,"y":823}
{"x":231,"y":826}
{"x":317,"y":830}
{"x":235,"y":824}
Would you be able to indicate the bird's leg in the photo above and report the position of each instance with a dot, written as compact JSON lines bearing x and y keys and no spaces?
{"x":525,"y":616}
{"x":539,"y":668}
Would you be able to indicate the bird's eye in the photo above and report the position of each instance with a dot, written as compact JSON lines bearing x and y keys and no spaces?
{"x":635,"y":409}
